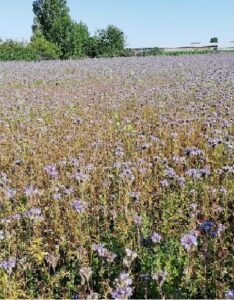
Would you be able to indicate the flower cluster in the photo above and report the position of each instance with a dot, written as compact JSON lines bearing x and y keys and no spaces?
{"x":8,"y":265}
{"x":79,"y":205}
{"x":104,"y":252}
{"x":123,"y":289}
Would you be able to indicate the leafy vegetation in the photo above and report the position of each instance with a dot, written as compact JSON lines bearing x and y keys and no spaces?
{"x":12,"y":50}
{"x":53,"y":22}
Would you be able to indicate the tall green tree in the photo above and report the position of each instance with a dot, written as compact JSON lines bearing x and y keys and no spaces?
{"x":53,"y":22}
{"x":110,"y":41}
{"x":80,"y":39}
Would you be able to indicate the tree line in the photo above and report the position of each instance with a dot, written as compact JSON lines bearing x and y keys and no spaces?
{"x":56,"y":36}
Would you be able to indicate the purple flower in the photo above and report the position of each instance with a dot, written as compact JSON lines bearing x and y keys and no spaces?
{"x":205,"y":171}
{"x":165,"y":183}
{"x":117,"y":165}
{"x":122,"y":293}
{"x":125,"y":279}
{"x":16,"y":217}
{"x":8,"y":265}
{"x":127,"y":173}
{"x":181,"y":181}
{"x":34,"y":214}
{"x":103,"y":252}
{"x":229,"y":294}
{"x":223,"y":190}
{"x":30,"y":191}
{"x":34,"y":211}
{"x":51,"y":170}
{"x":130,"y":254}
{"x":188,"y":240}
{"x":220,"y":228}
{"x":207,"y":227}
{"x":137,"y":220}
{"x":193,"y":152}
{"x":57,"y":196}
{"x":119,"y":152}
{"x":79,"y":176}
{"x":179,"y":159}
{"x":194,"y":173}
{"x":79,"y":205}
{"x":170,"y":173}
{"x":156,"y":238}
{"x":100,"y":249}
{"x":123,"y":289}
{"x":10,"y":193}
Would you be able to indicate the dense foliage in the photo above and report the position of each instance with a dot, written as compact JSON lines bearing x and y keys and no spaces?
{"x":53,"y":22}
{"x":13,"y":50}
{"x":110,"y":42}
{"x":116,"y":178}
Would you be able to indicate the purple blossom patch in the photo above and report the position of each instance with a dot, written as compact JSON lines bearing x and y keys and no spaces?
{"x":79,"y":205}
{"x":156,"y":238}
{"x":188,"y":240}
{"x":51,"y":170}
{"x":8,"y":265}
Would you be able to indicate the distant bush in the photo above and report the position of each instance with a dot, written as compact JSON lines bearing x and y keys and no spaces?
{"x":109,"y":42}
{"x":13,"y":50}
{"x":153,"y":52}
{"x":45,"y":50}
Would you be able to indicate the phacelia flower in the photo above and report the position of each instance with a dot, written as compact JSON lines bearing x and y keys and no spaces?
{"x":34,"y":214}
{"x":8,"y":265}
{"x":156,"y":238}
{"x":10,"y":193}
{"x":137,"y":220}
{"x":51,"y":170}
{"x":122,"y":293}
{"x":30,"y":191}
{"x":123,"y":289}
{"x":165,"y":183}
{"x":104,"y":252}
{"x":188,"y":240}
{"x":80,"y":176}
{"x":207,"y":227}
{"x":79,"y":205}
{"x":229,"y":294}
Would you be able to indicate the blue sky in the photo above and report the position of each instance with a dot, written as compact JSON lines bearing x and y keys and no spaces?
{"x":146,"y":23}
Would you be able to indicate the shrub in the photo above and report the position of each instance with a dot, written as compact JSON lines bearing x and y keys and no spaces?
{"x":13,"y":50}
{"x":44,"y":49}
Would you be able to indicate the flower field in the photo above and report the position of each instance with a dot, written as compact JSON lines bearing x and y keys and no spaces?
{"x":117,"y":178}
